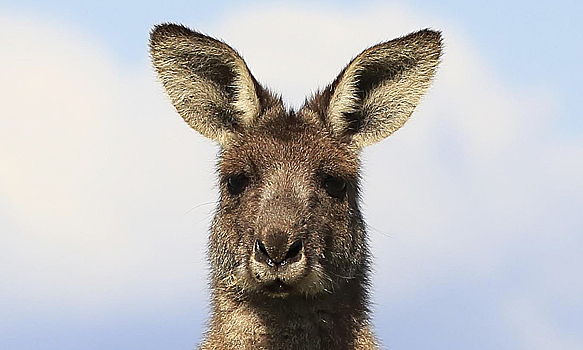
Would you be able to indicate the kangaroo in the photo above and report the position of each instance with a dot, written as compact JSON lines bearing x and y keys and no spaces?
{"x":288,"y":251}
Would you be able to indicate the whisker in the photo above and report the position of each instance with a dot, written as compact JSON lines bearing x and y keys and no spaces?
{"x":343,"y":277}
{"x":374,"y":229}
{"x":200,"y":205}
{"x":206,"y":217}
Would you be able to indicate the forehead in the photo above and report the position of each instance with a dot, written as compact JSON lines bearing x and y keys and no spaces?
{"x":288,"y":142}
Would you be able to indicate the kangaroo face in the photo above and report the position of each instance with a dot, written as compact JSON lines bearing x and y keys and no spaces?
{"x":288,"y":221}
{"x":288,"y":211}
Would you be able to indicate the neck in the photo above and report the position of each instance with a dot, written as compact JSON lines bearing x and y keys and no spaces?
{"x":338,"y":320}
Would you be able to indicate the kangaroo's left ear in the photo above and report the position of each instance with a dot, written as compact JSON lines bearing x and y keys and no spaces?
{"x":377,"y":92}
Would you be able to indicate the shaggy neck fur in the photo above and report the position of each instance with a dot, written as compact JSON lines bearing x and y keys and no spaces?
{"x":337,"y":320}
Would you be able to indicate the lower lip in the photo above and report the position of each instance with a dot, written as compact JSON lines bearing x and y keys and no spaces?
{"x":278,"y":288}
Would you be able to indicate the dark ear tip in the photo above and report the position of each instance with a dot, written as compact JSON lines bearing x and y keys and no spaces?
{"x":167,"y":30}
{"x":428,"y":41}
{"x":432,"y":36}
{"x":429,"y":35}
{"x":165,"y":33}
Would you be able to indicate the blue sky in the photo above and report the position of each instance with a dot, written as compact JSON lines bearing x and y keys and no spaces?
{"x":106,"y":195}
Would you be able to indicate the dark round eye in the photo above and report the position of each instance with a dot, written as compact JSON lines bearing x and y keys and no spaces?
{"x":335,"y":186}
{"x":237,"y":183}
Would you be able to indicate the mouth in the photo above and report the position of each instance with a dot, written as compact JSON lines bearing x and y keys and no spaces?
{"x":278,"y":288}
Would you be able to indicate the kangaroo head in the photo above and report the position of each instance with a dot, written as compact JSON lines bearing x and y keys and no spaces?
{"x":288,"y":222}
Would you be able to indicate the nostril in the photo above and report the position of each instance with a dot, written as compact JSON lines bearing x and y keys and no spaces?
{"x":294,"y":249}
{"x":261,"y":252}
{"x":261,"y":247}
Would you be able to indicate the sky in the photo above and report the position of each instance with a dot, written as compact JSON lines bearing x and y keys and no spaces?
{"x":106,"y":195}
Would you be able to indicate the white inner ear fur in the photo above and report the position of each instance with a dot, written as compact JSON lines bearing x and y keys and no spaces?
{"x":246,"y":101}
{"x":388,"y":106}
{"x":384,"y":108}
{"x":344,"y":99}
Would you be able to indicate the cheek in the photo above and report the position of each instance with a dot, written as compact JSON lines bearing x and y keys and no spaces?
{"x":335,"y":229}
{"x":239,"y":217}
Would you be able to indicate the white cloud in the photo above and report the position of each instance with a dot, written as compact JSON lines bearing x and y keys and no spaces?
{"x":97,"y":175}
{"x":101,"y":171}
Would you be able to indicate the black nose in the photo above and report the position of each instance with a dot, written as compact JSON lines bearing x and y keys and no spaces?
{"x":275,"y":256}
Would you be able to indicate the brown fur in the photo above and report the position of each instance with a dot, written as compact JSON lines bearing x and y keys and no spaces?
{"x":288,"y":248}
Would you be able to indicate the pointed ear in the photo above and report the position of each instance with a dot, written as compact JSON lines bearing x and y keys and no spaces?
{"x":377,"y":92}
{"x":208,"y":82}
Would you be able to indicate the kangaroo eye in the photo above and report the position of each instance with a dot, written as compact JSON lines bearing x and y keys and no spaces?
{"x":237,"y":183}
{"x":335,"y":186}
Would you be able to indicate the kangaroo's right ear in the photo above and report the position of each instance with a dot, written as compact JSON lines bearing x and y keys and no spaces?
{"x":207,"y":81}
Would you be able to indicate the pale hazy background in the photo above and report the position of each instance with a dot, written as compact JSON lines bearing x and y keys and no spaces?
{"x":475,"y":206}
